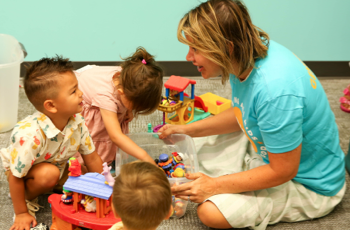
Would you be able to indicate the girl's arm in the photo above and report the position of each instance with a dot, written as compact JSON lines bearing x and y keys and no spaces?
{"x":222,"y":123}
{"x":282,"y":168}
{"x":93,"y":162}
{"x":110,"y":119}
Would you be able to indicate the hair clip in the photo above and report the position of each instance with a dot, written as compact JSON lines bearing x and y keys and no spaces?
{"x":144,"y":61}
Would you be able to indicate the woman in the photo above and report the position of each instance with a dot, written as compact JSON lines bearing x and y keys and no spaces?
{"x":284,"y":112}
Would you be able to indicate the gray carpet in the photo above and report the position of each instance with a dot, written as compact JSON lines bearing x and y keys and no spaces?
{"x":338,"y":219}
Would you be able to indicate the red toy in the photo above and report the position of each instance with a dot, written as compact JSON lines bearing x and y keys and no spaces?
{"x":74,"y":167}
{"x":64,"y":217}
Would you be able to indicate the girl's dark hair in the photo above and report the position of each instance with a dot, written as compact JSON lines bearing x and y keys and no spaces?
{"x":141,"y":80}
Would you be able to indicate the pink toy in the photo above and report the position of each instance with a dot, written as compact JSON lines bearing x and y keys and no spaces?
{"x":108,"y":176}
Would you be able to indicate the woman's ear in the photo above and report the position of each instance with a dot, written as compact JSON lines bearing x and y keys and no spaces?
{"x":230,"y":47}
{"x":49,"y":106}
{"x":171,"y":211}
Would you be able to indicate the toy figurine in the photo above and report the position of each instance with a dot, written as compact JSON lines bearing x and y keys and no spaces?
{"x":89,"y":203}
{"x":177,"y":157}
{"x":178,"y":172}
{"x":179,"y":165}
{"x":74,"y":167}
{"x":108,"y":176}
{"x":165,"y":163}
{"x":67,"y":196}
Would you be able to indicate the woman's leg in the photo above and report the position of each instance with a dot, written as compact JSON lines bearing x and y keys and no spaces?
{"x":41,"y":178}
{"x":211,"y":216}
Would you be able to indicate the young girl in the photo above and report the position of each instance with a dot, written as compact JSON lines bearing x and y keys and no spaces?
{"x":112,"y":95}
{"x":280,"y":106}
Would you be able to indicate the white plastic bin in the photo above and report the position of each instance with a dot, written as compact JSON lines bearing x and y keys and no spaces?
{"x":12,"y":54}
{"x":154,"y":147}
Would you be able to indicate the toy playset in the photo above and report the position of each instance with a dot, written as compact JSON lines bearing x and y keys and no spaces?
{"x":179,"y":108}
{"x":86,"y":201}
{"x":178,"y":102}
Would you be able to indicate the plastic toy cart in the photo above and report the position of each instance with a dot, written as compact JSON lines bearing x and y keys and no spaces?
{"x":154,"y":147}
{"x":11,"y":56}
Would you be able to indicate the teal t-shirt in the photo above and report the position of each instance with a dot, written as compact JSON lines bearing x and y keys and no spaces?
{"x":282,"y":105}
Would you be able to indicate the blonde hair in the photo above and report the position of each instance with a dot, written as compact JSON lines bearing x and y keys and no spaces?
{"x":141,"y":195}
{"x":217,"y":26}
{"x":141,"y":79}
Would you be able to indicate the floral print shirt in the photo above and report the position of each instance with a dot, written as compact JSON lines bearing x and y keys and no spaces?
{"x":36,"y":139}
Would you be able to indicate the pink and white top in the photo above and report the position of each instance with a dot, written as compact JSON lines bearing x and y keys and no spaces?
{"x":96,"y":83}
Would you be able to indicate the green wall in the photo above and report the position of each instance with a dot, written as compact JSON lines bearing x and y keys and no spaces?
{"x":86,"y":30}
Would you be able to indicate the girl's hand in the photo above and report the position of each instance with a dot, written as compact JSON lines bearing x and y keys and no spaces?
{"x":201,"y":188}
{"x":166,"y":130}
{"x":129,"y":116}
{"x":23,"y":221}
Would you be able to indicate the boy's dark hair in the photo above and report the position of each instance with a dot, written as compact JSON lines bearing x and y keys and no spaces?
{"x":141,"y":81}
{"x":141,"y":195}
{"x":40,"y":81}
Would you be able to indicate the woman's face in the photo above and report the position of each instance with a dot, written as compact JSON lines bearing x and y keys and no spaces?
{"x":207,"y":68}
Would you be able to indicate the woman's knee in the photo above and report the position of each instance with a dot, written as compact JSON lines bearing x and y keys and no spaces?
{"x":211,"y":216}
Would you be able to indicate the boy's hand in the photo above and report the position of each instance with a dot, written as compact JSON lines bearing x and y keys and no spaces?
{"x":23,"y":221}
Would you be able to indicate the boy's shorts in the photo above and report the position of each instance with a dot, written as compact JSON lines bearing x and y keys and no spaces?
{"x":58,"y":187}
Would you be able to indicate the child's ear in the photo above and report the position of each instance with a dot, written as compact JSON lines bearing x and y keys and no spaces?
{"x":171,"y":211}
{"x":120,"y":91}
{"x":50,"y":106}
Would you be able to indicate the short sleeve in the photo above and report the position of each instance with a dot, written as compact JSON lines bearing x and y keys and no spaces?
{"x":280,"y":122}
{"x":86,"y":144}
{"x":23,"y":153}
{"x":105,"y":101}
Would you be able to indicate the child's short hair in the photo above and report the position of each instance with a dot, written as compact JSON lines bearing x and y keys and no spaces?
{"x":40,"y":81}
{"x":141,"y":195}
{"x":142,"y":81}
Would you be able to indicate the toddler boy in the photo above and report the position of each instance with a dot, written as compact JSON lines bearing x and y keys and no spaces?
{"x":141,"y":197}
{"x":42,"y":143}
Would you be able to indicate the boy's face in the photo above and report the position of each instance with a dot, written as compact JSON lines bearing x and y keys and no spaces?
{"x":69,"y":99}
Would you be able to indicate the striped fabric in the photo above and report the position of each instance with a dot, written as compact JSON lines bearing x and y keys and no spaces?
{"x":289,"y":202}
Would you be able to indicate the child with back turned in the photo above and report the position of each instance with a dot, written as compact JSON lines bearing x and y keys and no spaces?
{"x":113,"y":95}
{"x":42,"y":143}
{"x":141,"y":197}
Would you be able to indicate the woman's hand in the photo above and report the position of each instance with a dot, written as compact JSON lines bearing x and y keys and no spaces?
{"x":166,"y":130}
{"x":23,"y":221}
{"x":201,"y":188}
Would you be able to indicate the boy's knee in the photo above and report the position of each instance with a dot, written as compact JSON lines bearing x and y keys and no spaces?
{"x":211,"y":216}
{"x":49,"y":176}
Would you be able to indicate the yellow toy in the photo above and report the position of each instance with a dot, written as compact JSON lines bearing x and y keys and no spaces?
{"x":215,"y":103}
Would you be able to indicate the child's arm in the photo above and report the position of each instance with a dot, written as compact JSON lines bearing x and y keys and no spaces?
{"x":93,"y":162}
{"x":110,"y":119}
{"x":17,"y":190}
